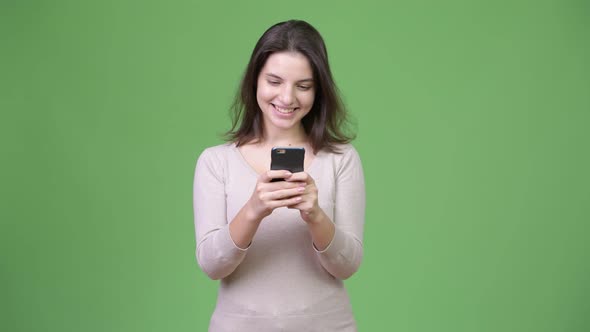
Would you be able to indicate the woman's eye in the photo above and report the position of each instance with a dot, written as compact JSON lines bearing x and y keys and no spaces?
{"x":304,"y":87}
{"x":274,"y":82}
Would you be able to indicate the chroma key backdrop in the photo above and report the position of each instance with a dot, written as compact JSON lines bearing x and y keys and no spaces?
{"x":472,"y":121}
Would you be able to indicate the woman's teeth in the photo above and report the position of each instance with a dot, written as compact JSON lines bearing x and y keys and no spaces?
{"x":284,"y":110}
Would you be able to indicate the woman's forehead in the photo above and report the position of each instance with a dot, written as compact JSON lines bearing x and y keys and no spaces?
{"x":288,"y":66}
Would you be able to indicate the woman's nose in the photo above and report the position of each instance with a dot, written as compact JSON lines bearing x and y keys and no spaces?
{"x":286,"y":97}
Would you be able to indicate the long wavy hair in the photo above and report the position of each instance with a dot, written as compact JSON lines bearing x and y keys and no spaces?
{"x":327,"y":124}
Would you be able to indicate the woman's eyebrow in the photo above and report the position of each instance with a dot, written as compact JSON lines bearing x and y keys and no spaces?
{"x":300,"y":81}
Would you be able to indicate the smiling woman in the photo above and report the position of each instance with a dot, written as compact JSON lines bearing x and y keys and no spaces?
{"x":282,"y":249}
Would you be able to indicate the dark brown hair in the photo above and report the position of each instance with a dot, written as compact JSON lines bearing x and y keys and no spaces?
{"x":325,"y":123}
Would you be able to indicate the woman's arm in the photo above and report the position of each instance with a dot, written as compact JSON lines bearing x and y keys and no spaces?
{"x":342,"y":257}
{"x":338,"y":243}
{"x":217,"y":254}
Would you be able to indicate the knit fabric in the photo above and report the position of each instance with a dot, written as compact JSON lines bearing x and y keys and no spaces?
{"x":281,"y":282}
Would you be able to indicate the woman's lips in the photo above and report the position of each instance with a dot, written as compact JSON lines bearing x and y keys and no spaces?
{"x":285,"y":110}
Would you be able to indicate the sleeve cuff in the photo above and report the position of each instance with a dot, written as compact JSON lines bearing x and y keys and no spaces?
{"x":228,"y":242}
{"x":335,"y":246}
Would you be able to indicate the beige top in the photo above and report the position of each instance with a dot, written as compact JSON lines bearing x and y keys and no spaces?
{"x":280,"y":282}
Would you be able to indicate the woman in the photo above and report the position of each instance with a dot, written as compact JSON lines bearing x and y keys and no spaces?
{"x":282,"y":249}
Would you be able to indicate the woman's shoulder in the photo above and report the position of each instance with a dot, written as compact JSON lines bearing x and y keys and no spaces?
{"x":221,"y":148}
{"x":340,"y":151}
{"x":342,"y":155}
{"x":344,"y":148}
{"x":217,"y":153}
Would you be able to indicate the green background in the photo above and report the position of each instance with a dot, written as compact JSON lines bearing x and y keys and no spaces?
{"x":472,"y":121}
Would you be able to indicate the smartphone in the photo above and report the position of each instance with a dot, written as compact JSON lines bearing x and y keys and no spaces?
{"x":290,"y":159}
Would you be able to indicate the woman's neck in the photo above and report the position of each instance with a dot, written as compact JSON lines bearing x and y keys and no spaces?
{"x":294,"y":137}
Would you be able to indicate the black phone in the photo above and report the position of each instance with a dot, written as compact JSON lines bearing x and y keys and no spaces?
{"x":287,"y":158}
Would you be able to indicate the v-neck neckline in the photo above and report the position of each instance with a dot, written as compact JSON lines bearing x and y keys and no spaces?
{"x":255,"y":173}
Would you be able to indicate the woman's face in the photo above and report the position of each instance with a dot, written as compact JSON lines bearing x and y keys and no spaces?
{"x":285,"y":91}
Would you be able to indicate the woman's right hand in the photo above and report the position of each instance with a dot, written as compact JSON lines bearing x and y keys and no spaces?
{"x":268,"y":195}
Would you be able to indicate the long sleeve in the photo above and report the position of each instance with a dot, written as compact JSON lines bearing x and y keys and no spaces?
{"x":343,"y":255}
{"x":216,"y":253}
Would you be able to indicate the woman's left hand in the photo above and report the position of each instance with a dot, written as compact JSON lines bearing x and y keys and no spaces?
{"x":308,"y":206}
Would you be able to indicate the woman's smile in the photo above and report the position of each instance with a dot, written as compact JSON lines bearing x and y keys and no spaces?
{"x":284,"y":110}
